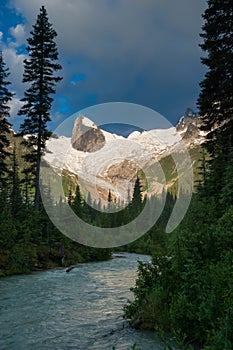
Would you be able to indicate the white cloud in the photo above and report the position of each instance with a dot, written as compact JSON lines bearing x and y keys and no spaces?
{"x":14,"y":62}
{"x":15,"y":104}
{"x":113,"y":30}
{"x":13,"y":59}
{"x":114,"y":41}
{"x":19,"y":34}
{"x":1,"y":35}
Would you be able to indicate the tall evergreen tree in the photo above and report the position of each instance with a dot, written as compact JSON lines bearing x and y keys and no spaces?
{"x":39,"y":72}
{"x":15,"y":188}
{"x":136,"y":203}
{"x":109,"y":196}
{"x":216,"y":97}
{"x":5,"y":98}
{"x":77,"y":204}
{"x":137,"y":192}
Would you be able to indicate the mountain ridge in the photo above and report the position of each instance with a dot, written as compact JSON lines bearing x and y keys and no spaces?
{"x":109,"y":166}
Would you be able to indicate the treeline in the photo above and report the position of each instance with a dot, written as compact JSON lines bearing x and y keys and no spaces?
{"x":187,"y":291}
{"x":28,"y":240}
{"x":118,"y":213}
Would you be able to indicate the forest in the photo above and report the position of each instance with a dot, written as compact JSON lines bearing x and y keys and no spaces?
{"x":28,"y":239}
{"x":187,"y":290}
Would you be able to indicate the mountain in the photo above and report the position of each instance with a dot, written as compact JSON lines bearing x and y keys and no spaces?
{"x":87,"y":136}
{"x":106,"y":161}
{"x":189,"y":128}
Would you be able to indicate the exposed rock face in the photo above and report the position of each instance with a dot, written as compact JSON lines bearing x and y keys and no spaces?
{"x":87,"y":136}
{"x":190,"y":113}
{"x":122,"y":171}
{"x":122,"y":176}
{"x":192,"y":131}
{"x":189,"y":126}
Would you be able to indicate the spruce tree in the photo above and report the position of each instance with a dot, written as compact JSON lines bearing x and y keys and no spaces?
{"x":16,"y":201}
{"x":136,"y":203}
{"x":226,"y":197}
{"x":77,"y":204}
{"x":109,"y":196}
{"x":216,"y":97}
{"x":39,"y":74}
{"x":137,"y":193}
{"x":5,"y":98}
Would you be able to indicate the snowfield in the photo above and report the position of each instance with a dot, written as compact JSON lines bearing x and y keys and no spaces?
{"x":141,"y":148}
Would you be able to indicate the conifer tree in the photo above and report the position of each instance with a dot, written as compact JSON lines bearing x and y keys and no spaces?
{"x":136,"y":202}
{"x":216,"y":97}
{"x":109,"y":196}
{"x":77,"y":204}
{"x":15,"y":190}
{"x":226,"y":197}
{"x":39,"y":73}
{"x":137,"y":192}
{"x":202,"y":170}
{"x":27,"y":187}
{"x":5,"y":98}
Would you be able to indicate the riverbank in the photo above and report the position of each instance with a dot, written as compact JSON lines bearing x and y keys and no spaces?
{"x":27,"y":257}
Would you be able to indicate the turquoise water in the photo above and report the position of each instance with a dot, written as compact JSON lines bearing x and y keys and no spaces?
{"x":81,"y":309}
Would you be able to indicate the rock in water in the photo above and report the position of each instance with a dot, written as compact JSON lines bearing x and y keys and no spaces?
{"x":86,"y":135}
{"x":71,"y":268}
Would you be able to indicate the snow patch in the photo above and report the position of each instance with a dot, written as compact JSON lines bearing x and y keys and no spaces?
{"x":134,"y":134}
{"x":87,"y":122}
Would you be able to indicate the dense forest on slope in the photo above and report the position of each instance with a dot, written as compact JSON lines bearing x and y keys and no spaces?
{"x":28,"y":240}
{"x":188,"y":289}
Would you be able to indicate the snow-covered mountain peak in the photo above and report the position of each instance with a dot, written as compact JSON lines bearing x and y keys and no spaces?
{"x":103,"y":160}
{"x":86,"y":135}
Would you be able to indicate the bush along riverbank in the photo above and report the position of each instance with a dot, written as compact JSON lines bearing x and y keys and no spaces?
{"x":30,"y":242}
{"x":27,"y":257}
{"x":188,"y":290}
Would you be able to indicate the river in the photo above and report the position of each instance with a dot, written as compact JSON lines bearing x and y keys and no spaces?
{"x":79,"y":310}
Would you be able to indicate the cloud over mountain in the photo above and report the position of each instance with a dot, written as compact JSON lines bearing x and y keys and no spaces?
{"x":126,"y":50}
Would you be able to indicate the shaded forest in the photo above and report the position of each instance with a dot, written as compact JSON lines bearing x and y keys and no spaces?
{"x":188,"y":289}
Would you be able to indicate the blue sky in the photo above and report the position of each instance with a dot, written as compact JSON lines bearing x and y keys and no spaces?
{"x":143,"y":52}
